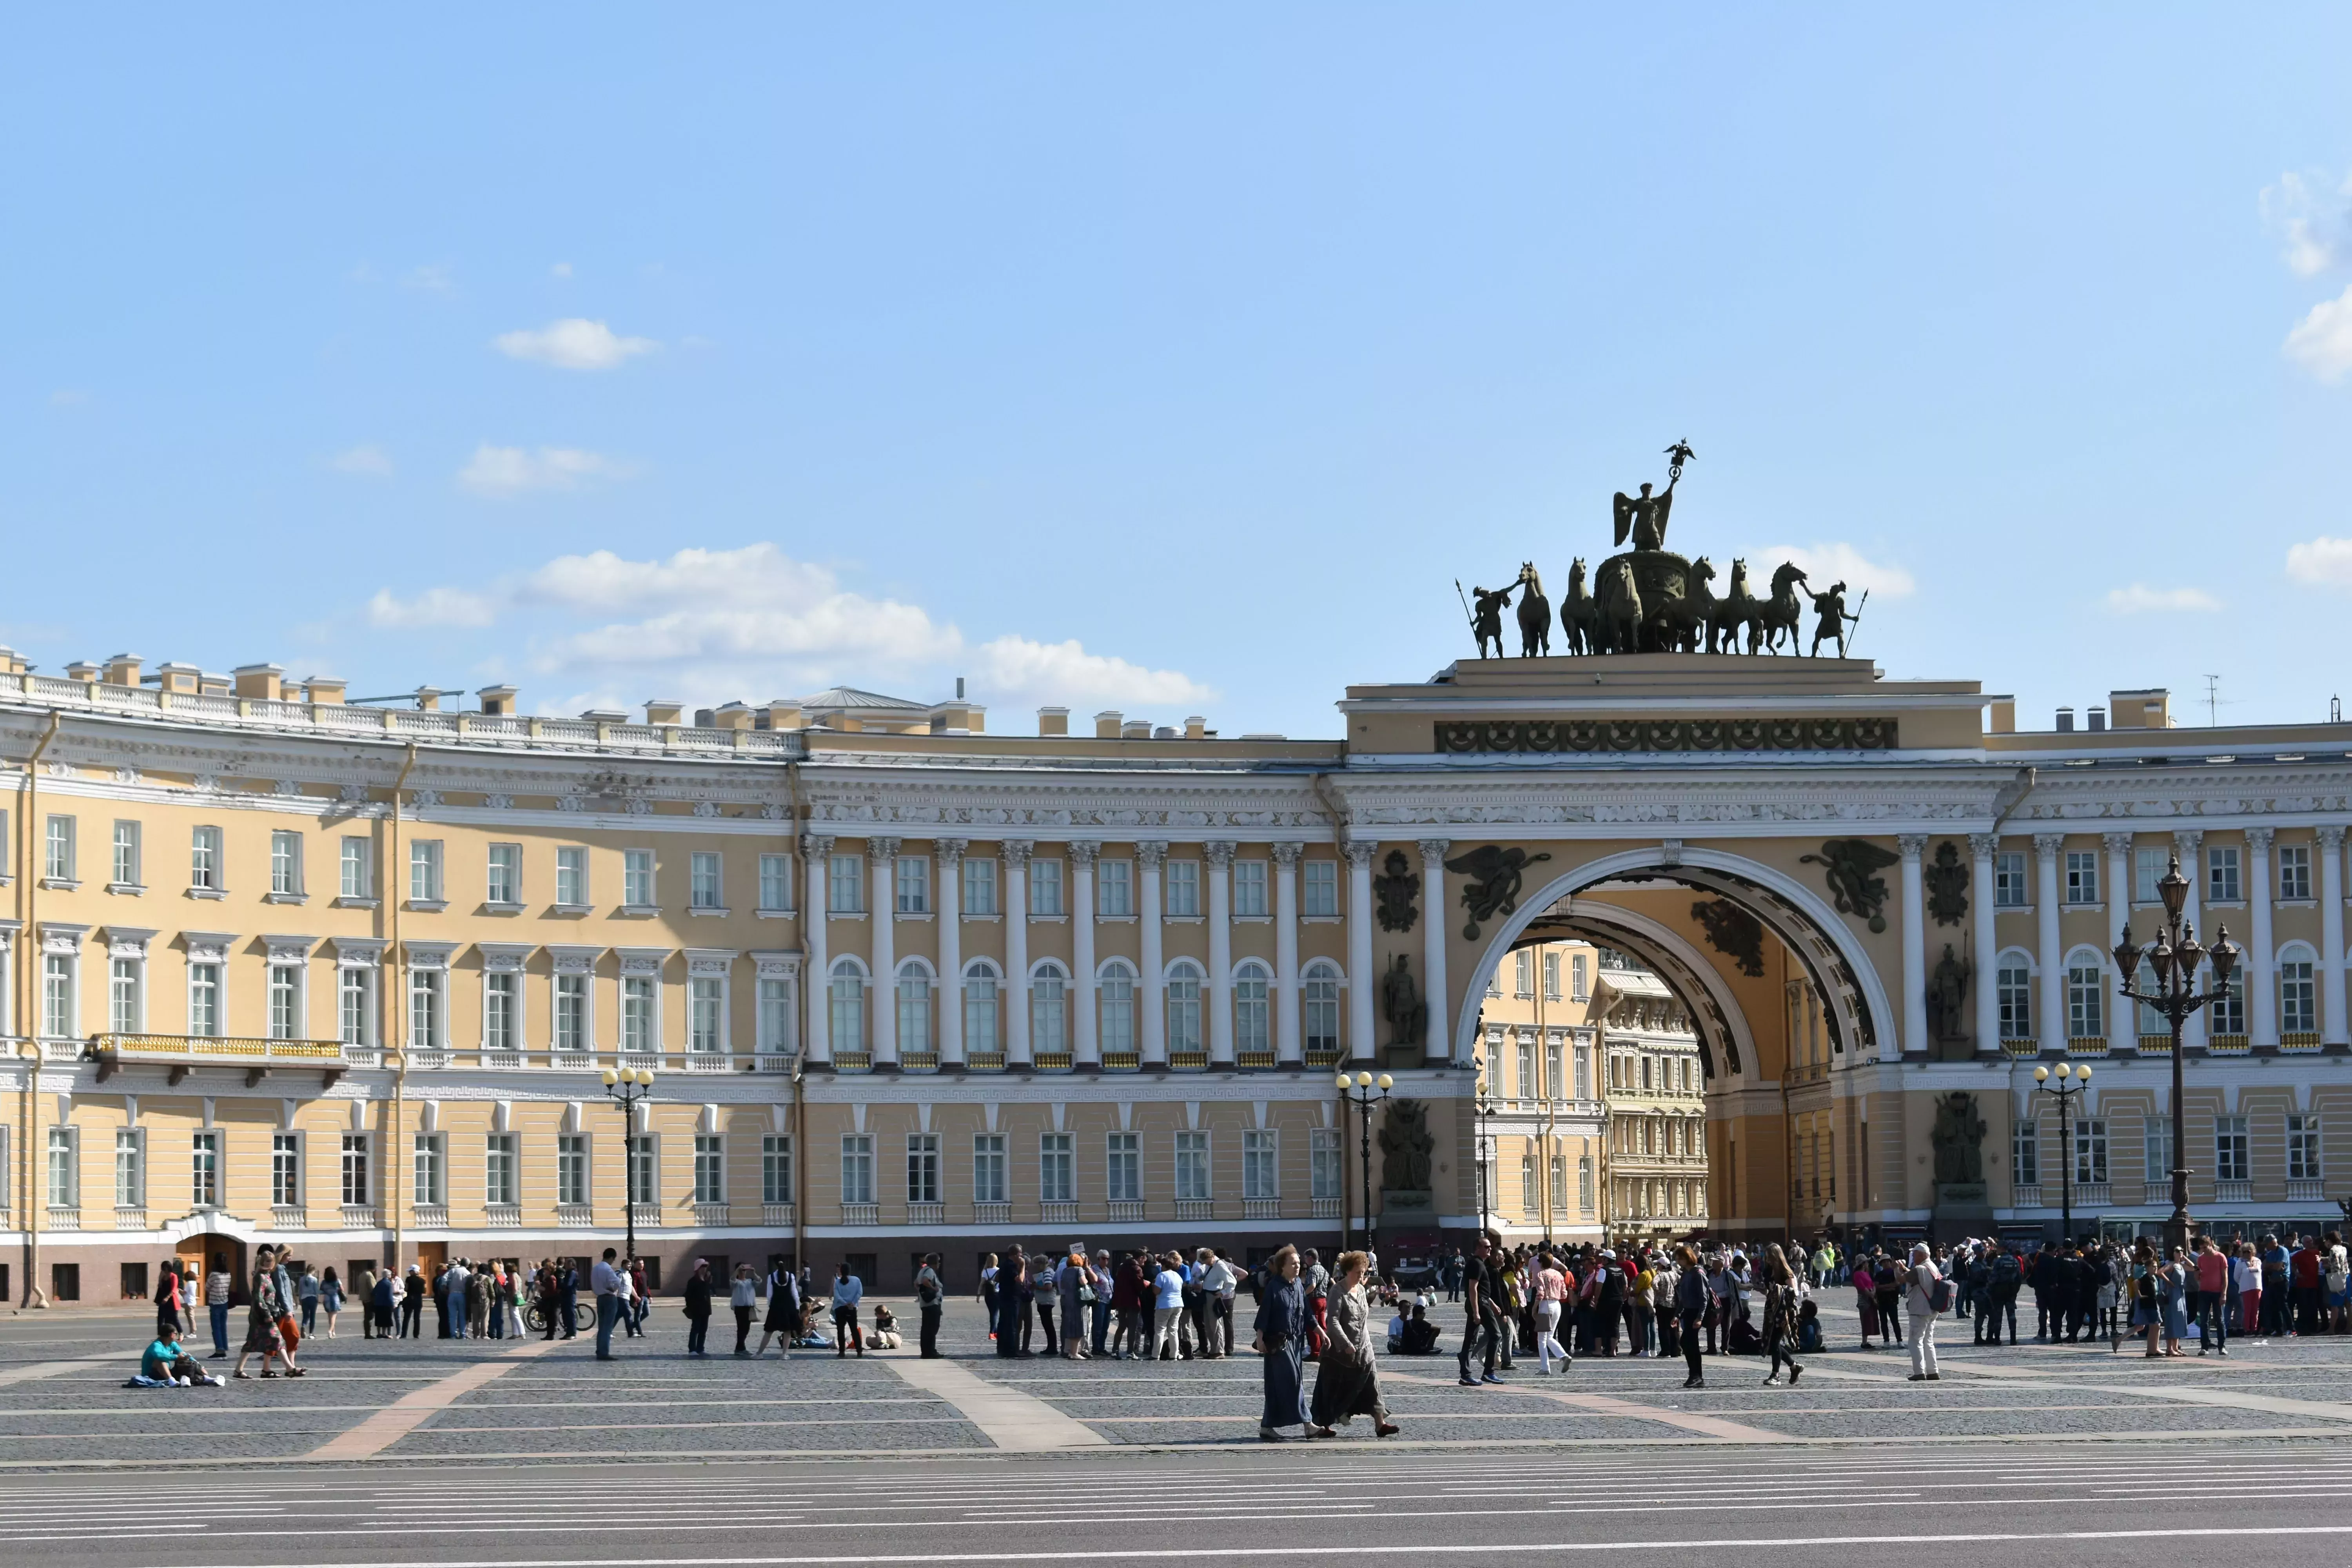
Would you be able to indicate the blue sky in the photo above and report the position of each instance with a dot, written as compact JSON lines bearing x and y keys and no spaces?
{"x":1174,"y":362}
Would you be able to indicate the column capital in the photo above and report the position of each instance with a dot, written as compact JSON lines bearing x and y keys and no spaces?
{"x":1219,"y":853}
{"x":950,"y":851}
{"x":2117,"y":843}
{"x":1287,"y":854}
{"x":1151,"y":853}
{"x":2049,"y":844}
{"x":1913,"y":844}
{"x":881,"y":851}
{"x":1984,"y":846}
{"x":1433,"y":852}
{"x":2258,"y":839}
{"x":817,"y":843}
{"x":1017,"y":850}
{"x":2187,"y":840}
{"x":1359,"y":851}
{"x":1084,"y":852}
{"x":2331,"y":837}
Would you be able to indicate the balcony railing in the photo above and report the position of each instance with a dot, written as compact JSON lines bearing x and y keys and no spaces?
{"x":503,"y":1216}
{"x":776,"y":1214}
{"x":2229,"y":1045}
{"x":2086,"y":1046}
{"x":502,"y":1058}
{"x":131,"y":1217}
{"x":708,"y":1214}
{"x":1327,"y":1208}
{"x":649,"y":1061}
{"x":64,"y":1216}
{"x":288,"y":1217}
{"x":772,"y":1062}
{"x":1051,"y":1061}
{"x":708,"y":1061}
{"x":1189,"y":1061}
{"x":2233,"y":1192}
{"x":1126,"y":1211}
{"x":363,"y":1056}
{"x":984,"y":1061}
{"x":918,"y":1061}
{"x":1322,"y":1055}
{"x":1261,"y":1208}
{"x":575,"y":1216}
{"x":2300,"y":1040}
{"x":853,"y":1061}
{"x":183,"y":1052}
{"x":926,"y":1214}
{"x":2304,"y":1189}
{"x":2022,"y":1048}
{"x":2154,"y":1045}
{"x":429,"y":1057}
{"x":573,"y":1061}
{"x":991,"y":1214}
{"x":646,"y":1216}
{"x":362,"y":1216}
{"x":1259,"y":1061}
{"x":2026,"y":1196}
{"x":861,"y":1214}
{"x":431,"y":1216}
{"x":1196,"y":1208}
{"x":1057,"y":1213}
{"x":2092,"y":1194}
{"x":1122,"y":1061}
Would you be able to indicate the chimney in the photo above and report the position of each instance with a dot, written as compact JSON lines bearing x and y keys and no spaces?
{"x":2094,"y":719}
{"x":82,"y":670}
{"x":664,"y":711}
{"x":1053,"y":721}
{"x":179,"y":677}
{"x":497,"y":701}
{"x":123,"y":670}
{"x":264,"y":680}
{"x":2004,"y":715}
{"x":733,"y":716}
{"x":785,"y":714}
{"x":429,"y":700}
{"x":2065,"y":720}
{"x":1106,"y":724}
{"x":1136,"y":729}
{"x":1196,"y":728}
{"x":326,"y":687}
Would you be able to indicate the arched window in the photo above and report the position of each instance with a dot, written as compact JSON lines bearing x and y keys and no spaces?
{"x":846,"y":1001}
{"x":1049,"y":1011}
{"x":1252,"y":1019}
{"x":2298,"y":993}
{"x":982,"y":1036}
{"x":1116,"y":990}
{"x":914,"y":1007}
{"x":1320,"y":994}
{"x":2086,"y":995}
{"x":2014,"y":990}
{"x":1185,"y":1007}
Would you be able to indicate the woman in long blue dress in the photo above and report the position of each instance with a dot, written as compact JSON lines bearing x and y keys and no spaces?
{"x":1282,"y":1347}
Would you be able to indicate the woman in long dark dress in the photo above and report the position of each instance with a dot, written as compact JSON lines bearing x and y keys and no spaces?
{"x":1282,"y":1347}
{"x":1347,"y":1381}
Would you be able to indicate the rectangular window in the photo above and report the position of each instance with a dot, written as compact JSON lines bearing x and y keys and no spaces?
{"x":572,"y":876}
{"x":358,"y":1185}
{"x":1183,"y":890}
{"x":1123,"y":1174}
{"x":1523,"y":974}
{"x":644,"y":1169}
{"x":845,"y":884}
{"x":1192,"y":1166}
{"x":2298,"y":997}
{"x":1526,"y":1055}
{"x":2082,"y":876}
{"x":2295,"y":870}
{"x":922,"y":1167}
{"x":2156,"y":1150}
{"x":1583,"y":1069}
{"x":709,"y":1169}
{"x":425,"y":990}
{"x":2091,"y":1151}
{"x":980,"y":888}
{"x":911,"y":878}
{"x":205,"y":868}
{"x":285,"y":1170}
{"x":1057,"y":1168}
{"x":980,"y":1010}
{"x":1554,"y":1083}
{"x":2222,"y":885}
{"x":2229,"y":1009}
{"x":1261,"y":1168}
{"x":424,"y":871}
{"x":355,"y":1006}
{"x":775,"y":882}
{"x":286,"y":862}
{"x":1579,"y":977}
{"x":1323,"y":1164}
{"x":572,"y":1015}
{"x":126,"y":1007}
{"x":776,"y":1168}
{"x":2303,"y":1149}
{"x":65,"y":1169}
{"x":706,"y":998}
{"x":2148,"y":867}
{"x":987,"y":1172}
{"x":126,"y":853}
{"x":2013,"y":986}
{"x":130,"y":1168}
{"x":285,"y":1002}
{"x":2086,"y":988}
{"x":57,"y":864}
{"x":857,"y":1168}
{"x":1319,"y":888}
{"x":204,"y":1000}
{"x":571,"y":1169}
{"x":1584,"y":1183}
{"x":703,"y":890}
{"x":1115,"y":888}
{"x":358,"y":868}
{"x":205,"y":1170}
{"x":432,"y":1169}
{"x":1551,"y":977}
{"x":775,"y":1016}
{"x":637,"y":1013}
{"x":637,"y":878}
{"x":1045,"y":887}
{"x":502,"y":1012}
{"x":1249,"y":887}
{"x":504,"y":874}
{"x":2011,"y":891}
{"x":2230,"y":1149}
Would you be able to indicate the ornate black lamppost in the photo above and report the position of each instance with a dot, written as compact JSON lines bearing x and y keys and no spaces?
{"x":2066,"y":1098}
{"x":2174,"y":956}
{"x":1480,"y":1109}
{"x":1357,"y":1091}
{"x":629,"y":1088}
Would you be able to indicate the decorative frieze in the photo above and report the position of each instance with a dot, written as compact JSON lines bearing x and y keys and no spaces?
{"x":1462,"y":736}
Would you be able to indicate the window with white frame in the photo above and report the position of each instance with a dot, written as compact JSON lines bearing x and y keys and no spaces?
{"x":285,"y":1002}
{"x":922,"y":1167}
{"x":427,"y":993}
{"x":1261,"y":1168}
{"x":1555,"y":1081}
{"x":703,"y":888}
{"x":1115,"y":889}
{"x":910,"y":882}
{"x":1184,"y":1003}
{"x":989,"y":1178}
{"x":637,"y":1015}
{"x":126,"y":996}
{"x":1523,"y":972}
{"x":205,"y":1169}
{"x":357,"y":865}
{"x":1526,"y":1055}
{"x":979,"y":1009}
{"x":1049,"y":1010}
{"x":1551,"y":977}
{"x":775,"y":1022}
{"x":2231,"y":1145}
{"x":1057,"y":1168}
{"x":204,"y":1000}
{"x":1319,"y":1005}
{"x":2086,"y":988}
{"x":285,"y":1170}
{"x":571,"y":1014}
{"x":130,"y":1168}
{"x":1323,"y":1164}
{"x":775,"y":882}
{"x":2298,"y":994}
{"x":846,"y":1004}
{"x":2146,"y":1019}
{"x":2228,"y":1009}
{"x":2082,"y":876}
{"x":1045,"y":887}
{"x":501,"y":1011}
{"x":1252,"y":1014}
{"x":912,"y":998}
{"x":2091,"y":1151}
{"x":2295,"y":870}
{"x":1115,"y":995}
{"x":205,"y":871}
{"x":706,"y":1015}
{"x":355,"y":1006}
{"x":572,"y":876}
{"x":857,"y":1168}
{"x":1249,"y":887}
{"x":2025,"y":1153}
{"x":1181,"y":888}
{"x":1123,"y":1168}
{"x":980,"y":887}
{"x":1192,"y":1166}
{"x":2010,"y":889}
{"x":845,"y":884}
{"x":709,"y":1168}
{"x":571,"y":1169}
{"x":2303,"y":1149}
{"x":2156,"y":1150}
{"x":644,"y":1169}
{"x":64,"y":1167}
{"x":126,"y":853}
{"x":1579,"y":977}
{"x":775,"y":1168}
{"x":1318,"y":888}
{"x":2223,"y":884}
{"x":424,"y":871}
{"x":2147,"y":870}
{"x":637,"y":891}
{"x":285,"y":863}
{"x":432,"y":1185}
{"x":357,"y":1178}
{"x":57,"y":862}
{"x":1531,"y":1193}
{"x":504,"y":874}
{"x":1584,"y":1183}
{"x":1494,"y":982}
{"x":1560,"y":1181}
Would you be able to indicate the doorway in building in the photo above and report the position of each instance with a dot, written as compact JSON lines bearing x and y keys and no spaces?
{"x":200,"y":1255}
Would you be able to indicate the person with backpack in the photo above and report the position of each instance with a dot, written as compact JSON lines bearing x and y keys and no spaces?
{"x":2007,"y":1276}
{"x":1926,"y":1295}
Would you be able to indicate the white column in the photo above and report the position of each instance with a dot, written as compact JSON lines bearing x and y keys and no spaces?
{"x":1088,"y":1045}
{"x":816,"y":853}
{"x":1149,"y":858}
{"x":2123,"y":1015}
{"x":2262,"y":983}
{"x":2186,"y":843}
{"x":1981,"y":848}
{"x":1363,"y":983}
{"x":1287,"y":1017}
{"x":2331,"y":935}
{"x":946,"y":855}
{"x":882,"y":865}
{"x":1914,"y":947}
{"x":2050,"y":1027}
{"x":1438,"y":1044}
{"x":1016,"y":951}
{"x":1219,"y":857}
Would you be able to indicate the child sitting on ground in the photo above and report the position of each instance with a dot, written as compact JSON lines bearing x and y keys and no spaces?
{"x":1809,"y":1326}
{"x":165,"y":1364}
{"x":885,"y":1332}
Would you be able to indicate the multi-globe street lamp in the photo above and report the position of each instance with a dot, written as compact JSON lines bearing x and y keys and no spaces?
{"x":2066,"y":1098}
{"x":1357,"y":1091}
{"x":629,"y":1088}
{"x":1481,"y":1108}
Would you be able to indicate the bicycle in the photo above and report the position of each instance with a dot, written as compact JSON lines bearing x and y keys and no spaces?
{"x":535,"y":1317}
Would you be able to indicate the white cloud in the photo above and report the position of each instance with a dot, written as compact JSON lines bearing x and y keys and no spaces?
{"x":2322,"y":341}
{"x":433,"y":607}
{"x":573,"y":344}
{"x":366,"y":459}
{"x":2314,"y":227}
{"x":2139,"y":598}
{"x":2323,"y":562}
{"x":1066,"y":673}
{"x":511,"y":471}
{"x":1826,"y":563}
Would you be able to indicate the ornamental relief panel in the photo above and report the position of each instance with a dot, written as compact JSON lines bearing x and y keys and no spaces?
{"x":1460,"y":736}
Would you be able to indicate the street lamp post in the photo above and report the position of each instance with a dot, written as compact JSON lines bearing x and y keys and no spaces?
{"x":1480,"y":1109}
{"x":2066,"y":1098}
{"x":1357,"y":1091}
{"x":2173,"y":956}
{"x":628,"y":1088}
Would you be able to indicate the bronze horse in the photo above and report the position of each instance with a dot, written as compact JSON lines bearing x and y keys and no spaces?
{"x":1784,"y":609}
{"x":1535,"y":614}
{"x":1735,"y":611}
{"x":1579,"y":614}
{"x":1682,"y":620}
{"x":1620,"y":629}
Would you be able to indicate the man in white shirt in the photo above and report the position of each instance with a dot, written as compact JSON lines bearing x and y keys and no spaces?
{"x":1919,"y":1300}
{"x":1220,"y":1282}
{"x":608,"y":1283}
